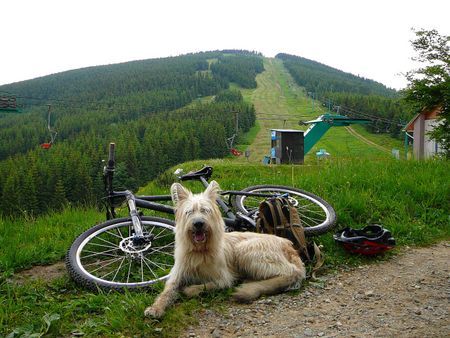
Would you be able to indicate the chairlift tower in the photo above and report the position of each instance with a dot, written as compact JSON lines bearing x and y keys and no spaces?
{"x":320,"y":126}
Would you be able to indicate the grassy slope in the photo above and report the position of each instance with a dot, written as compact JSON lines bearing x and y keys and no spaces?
{"x":279,"y":98}
{"x":44,"y":240}
{"x":410,"y":198}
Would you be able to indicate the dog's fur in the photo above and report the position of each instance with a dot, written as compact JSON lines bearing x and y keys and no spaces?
{"x":208,"y":258}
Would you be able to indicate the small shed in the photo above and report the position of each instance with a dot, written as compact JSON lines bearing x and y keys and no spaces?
{"x":424,"y":122}
{"x":287,"y":146}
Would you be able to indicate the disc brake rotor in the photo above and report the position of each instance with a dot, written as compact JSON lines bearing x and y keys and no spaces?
{"x":129,"y":246}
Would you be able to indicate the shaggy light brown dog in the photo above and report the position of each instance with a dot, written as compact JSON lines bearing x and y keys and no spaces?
{"x":206,"y":257}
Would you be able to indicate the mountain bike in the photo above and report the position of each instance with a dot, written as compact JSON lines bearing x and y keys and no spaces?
{"x":138,"y":251}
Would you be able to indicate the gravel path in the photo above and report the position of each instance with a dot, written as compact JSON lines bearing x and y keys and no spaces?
{"x":407,"y":296}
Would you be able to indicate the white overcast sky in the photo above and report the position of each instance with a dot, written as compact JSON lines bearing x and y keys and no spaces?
{"x":366,"y":38}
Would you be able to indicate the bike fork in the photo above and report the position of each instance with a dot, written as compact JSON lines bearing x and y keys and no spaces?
{"x":135,"y":219}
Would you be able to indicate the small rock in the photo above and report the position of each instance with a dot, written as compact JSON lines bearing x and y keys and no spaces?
{"x":216,"y":334}
{"x":418,"y":312}
{"x":308,"y":332}
{"x":369,"y":293}
{"x":159,"y":330}
{"x":321,"y":334}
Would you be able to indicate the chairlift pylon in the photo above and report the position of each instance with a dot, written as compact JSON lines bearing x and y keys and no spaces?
{"x":53,"y":133}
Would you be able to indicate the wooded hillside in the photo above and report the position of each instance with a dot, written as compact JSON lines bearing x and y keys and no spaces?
{"x":137,"y":105}
{"x":350,"y":94}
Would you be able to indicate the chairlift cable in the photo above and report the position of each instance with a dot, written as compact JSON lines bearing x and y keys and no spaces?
{"x":327,"y":101}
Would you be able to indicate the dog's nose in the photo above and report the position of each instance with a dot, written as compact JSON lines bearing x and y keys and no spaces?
{"x":198,"y":224}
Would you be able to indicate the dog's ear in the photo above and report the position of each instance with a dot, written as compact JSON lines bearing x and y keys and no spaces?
{"x":212,"y":190}
{"x":179,"y":193}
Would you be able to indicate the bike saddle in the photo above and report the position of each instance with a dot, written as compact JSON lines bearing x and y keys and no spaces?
{"x":371,"y":240}
{"x":205,"y":172}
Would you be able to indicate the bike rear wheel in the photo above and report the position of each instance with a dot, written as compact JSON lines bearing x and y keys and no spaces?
{"x":107,"y":256}
{"x":317,"y":215}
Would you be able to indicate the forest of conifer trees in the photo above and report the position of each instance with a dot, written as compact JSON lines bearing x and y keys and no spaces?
{"x":141,"y":105}
{"x":336,"y":88}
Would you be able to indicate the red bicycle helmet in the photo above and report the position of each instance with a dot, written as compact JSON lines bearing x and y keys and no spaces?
{"x":371,"y":240}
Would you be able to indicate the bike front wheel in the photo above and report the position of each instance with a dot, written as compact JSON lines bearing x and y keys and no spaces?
{"x":107,"y":256}
{"x":317,"y":215}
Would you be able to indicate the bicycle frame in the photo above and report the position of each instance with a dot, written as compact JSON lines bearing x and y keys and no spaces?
{"x":148,"y":202}
{"x":232,"y":220}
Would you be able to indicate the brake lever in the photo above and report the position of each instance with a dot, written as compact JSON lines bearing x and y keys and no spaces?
{"x":178,"y":173}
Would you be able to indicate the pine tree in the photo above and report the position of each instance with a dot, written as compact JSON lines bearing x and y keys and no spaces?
{"x":59,"y":200}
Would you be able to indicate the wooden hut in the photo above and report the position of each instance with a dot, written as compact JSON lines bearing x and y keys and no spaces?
{"x":418,"y":128}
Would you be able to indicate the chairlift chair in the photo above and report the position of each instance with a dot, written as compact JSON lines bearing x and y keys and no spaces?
{"x":232,"y":150}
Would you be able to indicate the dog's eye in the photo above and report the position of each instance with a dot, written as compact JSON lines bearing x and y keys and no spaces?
{"x":205,"y":210}
{"x":188,"y":212}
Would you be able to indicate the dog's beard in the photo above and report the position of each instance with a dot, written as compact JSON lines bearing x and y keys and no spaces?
{"x":200,"y":240}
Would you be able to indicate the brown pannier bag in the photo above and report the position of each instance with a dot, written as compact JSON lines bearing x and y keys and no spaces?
{"x":278,"y":217}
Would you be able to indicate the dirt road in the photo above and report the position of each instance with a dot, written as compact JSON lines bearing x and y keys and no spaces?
{"x":406,"y":296}
{"x":366,"y":140}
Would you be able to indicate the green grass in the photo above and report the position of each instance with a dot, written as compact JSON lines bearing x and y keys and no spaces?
{"x":28,"y":242}
{"x":24,"y":308}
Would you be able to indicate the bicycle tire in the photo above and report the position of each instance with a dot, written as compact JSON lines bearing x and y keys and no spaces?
{"x":317,"y":215}
{"x":105,"y":269}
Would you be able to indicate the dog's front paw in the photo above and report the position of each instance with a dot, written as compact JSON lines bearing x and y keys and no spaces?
{"x":193,"y":290}
{"x":153,"y":311}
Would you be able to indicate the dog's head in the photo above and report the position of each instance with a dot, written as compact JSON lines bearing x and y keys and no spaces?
{"x":198,"y":218}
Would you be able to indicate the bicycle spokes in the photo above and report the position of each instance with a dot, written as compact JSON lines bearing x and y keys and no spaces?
{"x":115,"y":255}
